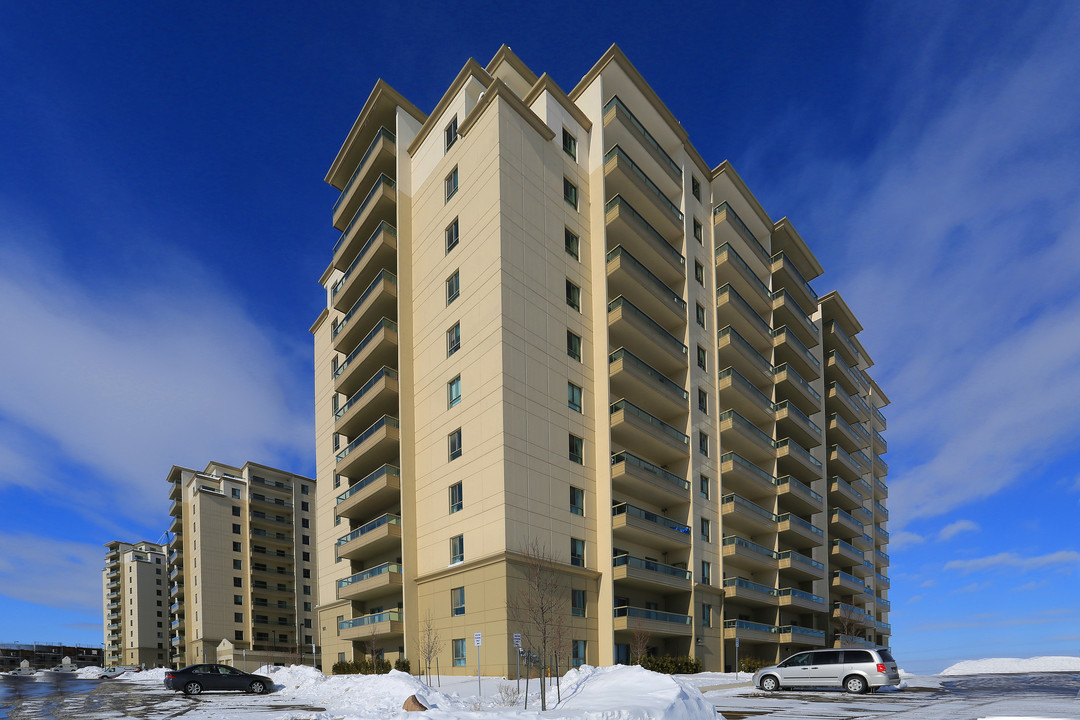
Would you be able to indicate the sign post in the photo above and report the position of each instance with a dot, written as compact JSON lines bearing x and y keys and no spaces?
{"x":477,"y":640}
{"x":736,"y":659}
{"x":517,"y":646}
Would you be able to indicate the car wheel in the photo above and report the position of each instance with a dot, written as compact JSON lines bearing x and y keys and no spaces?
{"x":769,"y":683}
{"x":192,"y":688}
{"x":258,"y":687}
{"x":855,"y":685}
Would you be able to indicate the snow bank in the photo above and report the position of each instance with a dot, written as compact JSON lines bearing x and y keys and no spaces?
{"x":627,"y":693}
{"x":1052,"y":663}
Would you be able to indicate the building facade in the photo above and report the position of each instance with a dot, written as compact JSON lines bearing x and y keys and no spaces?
{"x":42,"y":656}
{"x":242,"y":577}
{"x":551,"y":325}
{"x":136,"y":607}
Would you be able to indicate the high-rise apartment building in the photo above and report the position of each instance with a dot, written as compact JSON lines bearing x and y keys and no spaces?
{"x":241,"y":566}
{"x":135,"y":601}
{"x":550,"y":323}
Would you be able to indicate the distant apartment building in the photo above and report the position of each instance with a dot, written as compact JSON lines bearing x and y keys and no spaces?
{"x":46,"y":655}
{"x":136,"y":603}
{"x":550,"y":323}
{"x":241,"y":568}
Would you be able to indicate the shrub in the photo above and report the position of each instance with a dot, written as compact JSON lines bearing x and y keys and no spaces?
{"x":402,"y":665}
{"x":671,"y":665}
{"x":362,"y":666}
{"x":752,"y":664}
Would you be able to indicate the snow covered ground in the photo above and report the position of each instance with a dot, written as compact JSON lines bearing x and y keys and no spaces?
{"x":1051,"y":663}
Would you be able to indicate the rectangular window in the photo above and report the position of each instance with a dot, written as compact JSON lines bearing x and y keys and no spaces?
{"x":304,"y":506}
{"x":237,"y":565}
{"x":699,"y":273}
{"x":453,"y":287}
{"x":456,"y":498}
{"x":577,"y":449}
{"x":236,"y":492}
{"x":577,"y":656}
{"x":305,"y":539}
{"x":577,"y":552}
{"x":238,"y":599}
{"x":573,"y":295}
{"x":569,"y":144}
{"x":706,"y":530}
{"x":453,"y":392}
{"x":706,"y":572}
{"x":238,"y":582}
{"x":450,"y":184}
{"x":235,"y":529}
{"x":452,"y":234}
{"x":457,"y":549}
{"x":457,"y":601}
{"x":577,"y":500}
{"x":303,"y":489}
{"x":573,"y":345}
{"x":337,"y":480}
{"x":236,"y":511}
{"x":704,"y":486}
{"x":573,"y":244}
{"x":238,"y":617}
{"x":573,"y":396}
{"x":699,"y":234}
{"x":695,"y":187}
{"x":570,"y":193}
{"x":703,"y":401}
{"x":304,"y":522}
{"x":702,"y":358}
{"x":237,"y":547}
{"x":454,"y":442}
{"x":700,"y":315}
{"x":307,"y":589}
{"x":238,"y":635}
{"x":458,"y":646}
{"x":450,"y":134}
{"x":577,"y":603}
{"x":453,"y":339}
{"x":703,"y":443}
{"x":706,"y":615}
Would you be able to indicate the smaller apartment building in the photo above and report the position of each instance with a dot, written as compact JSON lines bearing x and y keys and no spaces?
{"x":135,"y":602}
{"x":241,"y":572}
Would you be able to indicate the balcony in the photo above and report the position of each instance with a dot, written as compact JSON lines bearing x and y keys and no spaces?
{"x":172,"y":576}
{"x":846,"y":612}
{"x":638,"y":478}
{"x":863,"y":542}
{"x":380,"y":535}
{"x":881,"y":559}
{"x":863,"y":570}
{"x":378,"y":349}
{"x":843,"y":464}
{"x":379,"y":206}
{"x":850,"y":437}
{"x":648,"y":528}
{"x":268,"y":500}
{"x":750,"y":631}
{"x":176,"y":508}
{"x":176,"y":524}
{"x":879,"y":421}
{"x":846,"y":581}
{"x":379,"y":159}
{"x":742,"y":476}
{"x":797,"y":635}
{"x":384,"y":579}
{"x":882,"y":537}
{"x":787,"y":276}
{"x":732,"y":270}
{"x":792,"y":597}
{"x":739,"y":394}
{"x":745,"y":438}
{"x":733,"y":310}
{"x":841,"y":342}
{"x":628,"y":228}
{"x":649,"y":574}
{"x":388,"y":623}
{"x":786,"y":311}
{"x":745,"y":592}
{"x":881,"y":468}
{"x":378,"y":300}
{"x":798,"y":533}
{"x":861,"y":460}
{"x":729,"y":228}
{"x":882,"y":580}
{"x":622,"y":127}
{"x":264,"y":588}
{"x":843,"y":553}
{"x":844,"y":524}
{"x":882,"y":488}
{"x":836,"y":370}
{"x":881,"y":513}
{"x":790,"y":386}
{"x":790,"y":349}
{"x":733,"y":350}
{"x":655,"y":622}
{"x":377,"y":397}
{"x":176,"y":558}
{"x":794,"y":459}
{"x":793,"y":422}
{"x":843,"y":495}
{"x":624,"y":177}
{"x":880,"y":445}
{"x":629,"y":327}
{"x":655,"y":392}
{"x":632,"y":427}
{"x":379,"y":252}
{"x":863,"y":515}
{"x":742,"y":553}
{"x":839,"y":402}
{"x":628,"y":277}
{"x":797,"y":496}
{"x":270,"y":536}
{"x":739,"y":514}
{"x":800,"y":566}
{"x":379,"y":490}
{"x":378,"y":445}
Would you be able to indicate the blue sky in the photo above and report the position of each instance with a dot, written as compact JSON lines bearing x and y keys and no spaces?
{"x":163,"y":222}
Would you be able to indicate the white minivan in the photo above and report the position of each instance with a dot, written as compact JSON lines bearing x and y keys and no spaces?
{"x":854,"y":670}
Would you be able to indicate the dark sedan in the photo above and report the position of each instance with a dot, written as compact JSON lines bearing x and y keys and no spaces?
{"x":194,"y":679}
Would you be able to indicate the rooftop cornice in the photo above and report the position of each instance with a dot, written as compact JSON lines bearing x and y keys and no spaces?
{"x":499,"y":89}
{"x":471,"y":69}
{"x":547,"y":83}
{"x":506,"y":55}
{"x":726,"y":168}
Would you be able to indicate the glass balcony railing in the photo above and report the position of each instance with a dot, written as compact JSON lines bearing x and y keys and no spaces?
{"x":796,"y":520}
{"x":628,"y":307}
{"x":748,"y":585}
{"x":847,"y":516}
{"x":879,"y":416}
{"x":782,"y":258}
{"x":364,"y":529}
{"x":861,"y":459}
{"x":803,"y":487}
{"x":627,"y":407}
{"x":650,"y":565}
{"x":384,"y":421}
{"x":795,"y":342}
{"x":881,"y":556}
{"x":368,"y":574}
{"x":881,"y":578}
{"x":800,"y":559}
{"x":850,"y":610}
{"x":384,"y":227}
{"x":748,"y":466}
{"x":795,"y":448}
{"x":841,"y":575}
{"x":624,"y":207}
{"x":750,"y":625}
{"x":881,"y":509}
{"x":631,"y":359}
{"x":385,"y":372}
{"x":736,"y":541}
{"x":661,"y":198}
{"x":658,"y":286}
{"x":616,"y":102}
{"x":881,"y":440}
{"x":803,"y":595}
{"x":367,"y":480}
{"x":796,"y":310}
{"x":861,"y":404}
{"x":747,"y":426}
{"x":382,"y":133}
{"x":384,"y":324}
{"x":742,"y":231}
{"x":847,"y":546}
{"x":736,"y":339}
{"x":746,"y":386}
{"x":726,"y":294}
{"x":736,"y":258}
{"x":805,"y":632}
{"x":384,"y":275}
{"x":834,"y":328}
{"x":384,"y":181}
{"x":739,"y":501}
{"x":883,"y":533}
{"x":659,"y":472}
{"x":658,"y":615}
{"x":660,"y":520}
{"x":794,"y":376}
{"x":796,"y":412}
{"x":373,"y":619}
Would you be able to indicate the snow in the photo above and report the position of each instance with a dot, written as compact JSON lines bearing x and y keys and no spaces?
{"x":1050,"y":663}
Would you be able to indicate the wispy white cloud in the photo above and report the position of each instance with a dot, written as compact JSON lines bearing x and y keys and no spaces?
{"x":58,"y":573}
{"x":955,"y":528}
{"x":973,"y":587}
{"x":903,"y":538}
{"x":1067,"y":559}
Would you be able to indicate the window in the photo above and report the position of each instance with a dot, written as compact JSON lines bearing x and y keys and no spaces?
{"x":704,"y":486}
{"x":703,"y":401}
{"x":238,"y":617}
{"x":453,"y":339}
{"x":237,"y":565}
{"x":452,"y":234}
{"x":305,"y":539}
{"x":307,"y":607}
{"x":700,"y":315}
{"x":238,"y":599}
{"x":307,"y":589}
{"x":453,"y":287}
{"x":337,"y":480}
{"x":306,"y":557}
{"x":578,"y":653}
{"x":573,"y":295}
{"x":703,"y":443}
{"x":457,"y":549}
{"x":238,"y":635}
{"x":236,"y":493}
{"x":573,"y":345}
{"x":577,"y":500}
{"x":303,"y":489}
{"x":450,"y":134}
{"x":456,"y":500}
{"x":236,"y":511}
{"x":457,"y":601}
{"x":699,"y":234}
{"x":453,"y":392}
{"x":450,"y":184}
{"x":706,"y":530}
{"x":573,"y":396}
{"x":699,"y":273}
{"x":458,"y":645}
{"x":706,"y":572}
{"x":695,"y":187}
{"x":307,"y":573}
{"x":454,"y":442}
{"x":577,"y":449}
{"x":238,"y":582}
{"x":569,"y":144}
{"x":304,"y":522}
{"x":573,"y":244}
{"x":570,"y":193}
{"x":702,"y":358}
{"x":577,"y":603}
{"x":304,"y":507}
{"x":235,"y":529}
{"x":577,"y":552}
{"x":706,"y":615}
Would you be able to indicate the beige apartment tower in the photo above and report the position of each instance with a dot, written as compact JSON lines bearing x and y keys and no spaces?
{"x":136,"y":604}
{"x":241,"y":567}
{"x":549,"y":323}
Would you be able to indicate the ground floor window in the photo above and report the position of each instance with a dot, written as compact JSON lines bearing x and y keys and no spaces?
{"x":622,"y":654}
{"x":459,"y":651}
{"x":578,"y":656}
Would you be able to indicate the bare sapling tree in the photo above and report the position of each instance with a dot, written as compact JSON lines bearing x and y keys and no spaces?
{"x":639,"y":641}
{"x":540,"y":607}
{"x":431,"y":643}
{"x":847,"y":623}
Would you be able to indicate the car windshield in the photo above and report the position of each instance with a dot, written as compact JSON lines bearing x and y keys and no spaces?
{"x":797,"y":660}
{"x":886,"y":656}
